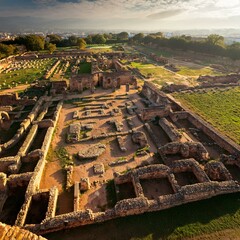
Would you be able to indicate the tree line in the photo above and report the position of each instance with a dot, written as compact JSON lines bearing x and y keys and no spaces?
{"x":52,"y":41}
{"x":213,"y":44}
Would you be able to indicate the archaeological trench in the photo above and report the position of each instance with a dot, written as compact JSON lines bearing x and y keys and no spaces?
{"x":156,"y":153}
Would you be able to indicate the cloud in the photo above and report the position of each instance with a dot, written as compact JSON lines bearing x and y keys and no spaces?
{"x":127,"y":13}
{"x":165,"y":14}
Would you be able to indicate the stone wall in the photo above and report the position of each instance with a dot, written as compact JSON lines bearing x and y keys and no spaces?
{"x":52,"y":204}
{"x":18,"y":180}
{"x":170,"y":130}
{"x":140,"y":204}
{"x":223,"y":141}
{"x":192,"y":166}
{"x":24,"y":126}
{"x":13,"y":99}
{"x":227,"y":79}
{"x":51,"y":71}
{"x":12,"y":232}
{"x":153,"y":94}
{"x":35,"y":180}
{"x":155,"y":111}
{"x":187,"y":149}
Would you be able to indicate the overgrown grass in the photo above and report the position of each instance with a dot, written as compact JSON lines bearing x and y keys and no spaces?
{"x":182,"y":222}
{"x":23,"y":76}
{"x":64,"y":157}
{"x":220,"y":108}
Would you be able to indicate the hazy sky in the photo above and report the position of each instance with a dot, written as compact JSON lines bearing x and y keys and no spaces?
{"x":131,"y":14}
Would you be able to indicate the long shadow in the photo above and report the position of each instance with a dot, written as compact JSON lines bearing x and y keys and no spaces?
{"x":158,"y":224}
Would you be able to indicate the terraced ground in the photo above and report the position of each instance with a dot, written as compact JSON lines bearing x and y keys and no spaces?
{"x":221,"y":108}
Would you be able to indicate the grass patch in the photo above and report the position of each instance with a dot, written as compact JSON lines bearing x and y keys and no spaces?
{"x":85,"y":67}
{"x":64,"y":157}
{"x":220,"y":108}
{"x":24,"y":76}
{"x":197,"y":72}
{"x":158,"y":52}
{"x":98,"y":46}
{"x":160,"y":74}
{"x":141,"y":65}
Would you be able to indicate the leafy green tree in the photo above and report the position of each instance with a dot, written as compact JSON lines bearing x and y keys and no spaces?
{"x":72,"y":40}
{"x":138,"y":37}
{"x":98,"y":39}
{"x":6,"y":50}
{"x":215,"y":39}
{"x":157,"y":35}
{"x":108,"y":36}
{"x":88,"y":39}
{"x":32,"y":42}
{"x":50,"y":47}
{"x":234,"y":50}
{"x":122,"y":36}
{"x":54,"y":38}
{"x":81,"y":43}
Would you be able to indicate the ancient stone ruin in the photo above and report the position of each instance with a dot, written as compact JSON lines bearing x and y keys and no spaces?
{"x":62,"y":151}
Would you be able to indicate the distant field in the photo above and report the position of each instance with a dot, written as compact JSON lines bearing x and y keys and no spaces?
{"x":159,"y":74}
{"x":220,"y":108}
{"x":186,"y":71}
{"x":99,"y":48}
{"x":94,"y":46}
{"x":163,"y":53}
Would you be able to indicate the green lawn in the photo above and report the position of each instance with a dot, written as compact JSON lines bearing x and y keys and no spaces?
{"x":220,"y":108}
{"x":198,"y":218}
{"x":148,"y":69}
{"x":98,"y":46}
{"x":85,"y":67}
{"x":158,"y":52}
{"x":159,"y":73}
{"x":141,"y":65}
{"x":24,"y":76}
{"x":197,"y":72}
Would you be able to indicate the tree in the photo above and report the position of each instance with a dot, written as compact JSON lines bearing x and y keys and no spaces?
{"x":32,"y":42}
{"x":81,"y":43}
{"x":88,"y":39}
{"x":215,"y":39}
{"x":138,"y":37}
{"x":6,"y":50}
{"x":108,"y":36}
{"x":54,"y":38}
{"x":234,"y":51}
{"x":50,"y":47}
{"x":157,"y":35}
{"x":122,"y":36}
{"x":72,"y":41}
{"x":98,"y":39}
